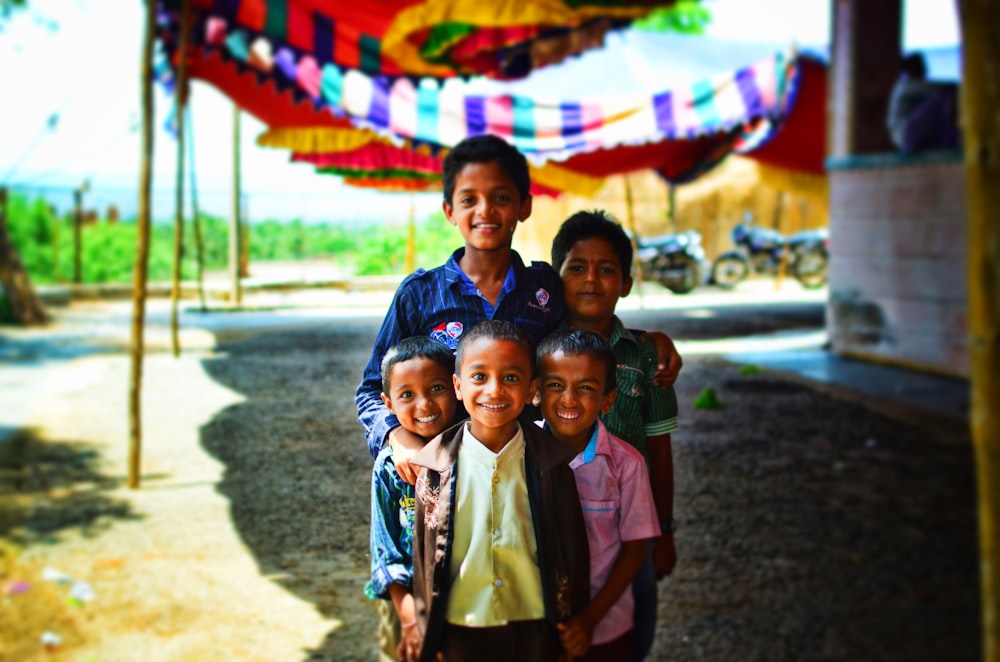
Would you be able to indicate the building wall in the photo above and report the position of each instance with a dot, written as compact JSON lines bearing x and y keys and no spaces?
{"x":898,"y":262}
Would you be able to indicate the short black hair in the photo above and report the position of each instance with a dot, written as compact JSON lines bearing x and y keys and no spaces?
{"x":486,"y":149}
{"x":493,"y":330}
{"x":415,"y":347}
{"x":588,"y":225}
{"x":582,"y":342}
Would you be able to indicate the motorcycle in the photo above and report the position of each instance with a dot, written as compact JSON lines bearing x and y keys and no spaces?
{"x":762,"y":250}
{"x":676,"y":261}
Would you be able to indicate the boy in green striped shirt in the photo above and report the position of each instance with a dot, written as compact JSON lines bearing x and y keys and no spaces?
{"x":593,"y":256}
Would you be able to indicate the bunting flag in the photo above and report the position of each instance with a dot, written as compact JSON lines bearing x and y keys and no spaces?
{"x":441,"y":38}
{"x":427,"y":111}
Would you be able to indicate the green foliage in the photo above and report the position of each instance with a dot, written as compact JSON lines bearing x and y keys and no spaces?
{"x":435,"y":239}
{"x":45,"y":244}
{"x":684,"y":16}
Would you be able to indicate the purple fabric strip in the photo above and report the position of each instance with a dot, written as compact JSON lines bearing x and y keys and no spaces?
{"x":572,"y":125}
{"x":663,"y":107}
{"x":378,"y":113}
{"x":747,"y":85}
{"x":475,"y":115}
{"x":322,"y":37}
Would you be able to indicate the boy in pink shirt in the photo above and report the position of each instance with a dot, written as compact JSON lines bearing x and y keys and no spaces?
{"x":576,"y":383}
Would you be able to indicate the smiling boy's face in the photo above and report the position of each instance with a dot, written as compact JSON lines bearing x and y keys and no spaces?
{"x":421,"y":396}
{"x":495,"y":382}
{"x":593,"y":281}
{"x":571,"y":388}
{"x":486,"y":206}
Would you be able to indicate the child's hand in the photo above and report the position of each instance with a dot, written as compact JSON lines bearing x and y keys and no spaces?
{"x":405,"y":445}
{"x":668,"y":361}
{"x":575,"y":635}
{"x":410,"y":641}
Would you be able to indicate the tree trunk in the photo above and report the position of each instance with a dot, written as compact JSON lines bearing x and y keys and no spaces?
{"x":24,"y":305}
{"x":980,"y":91}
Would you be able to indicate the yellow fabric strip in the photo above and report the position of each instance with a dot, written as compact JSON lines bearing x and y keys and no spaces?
{"x":318,"y":139}
{"x":501,"y":13}
{"x":565,"y":180}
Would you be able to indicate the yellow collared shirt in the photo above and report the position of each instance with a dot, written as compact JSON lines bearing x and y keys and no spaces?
{"x":494,"y":567}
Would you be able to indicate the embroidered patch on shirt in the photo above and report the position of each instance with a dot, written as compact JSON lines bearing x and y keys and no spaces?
{"x":542,"y":297}
{"x":448,"y":333}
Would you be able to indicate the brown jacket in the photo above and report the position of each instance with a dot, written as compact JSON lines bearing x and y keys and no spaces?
{"x":558,"y":522}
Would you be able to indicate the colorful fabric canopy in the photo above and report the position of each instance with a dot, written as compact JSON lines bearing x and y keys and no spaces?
{"x":440,"y":38}
{"x":543,"y":128}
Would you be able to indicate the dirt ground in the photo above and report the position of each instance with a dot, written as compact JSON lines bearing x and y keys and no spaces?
{"x":812,"y":527}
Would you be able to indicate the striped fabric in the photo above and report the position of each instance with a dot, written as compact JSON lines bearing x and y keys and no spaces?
{"x":429,"y":111}
{"x":424,"y":37}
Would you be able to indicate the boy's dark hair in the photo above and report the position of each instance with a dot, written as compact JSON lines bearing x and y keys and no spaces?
{"x":914,"y":65}
{"x":486,"y":149}
{"x":415,"y":347}
{"x":582,"y":342}
{"x":493,"y":330}
{"x":588,"y":225}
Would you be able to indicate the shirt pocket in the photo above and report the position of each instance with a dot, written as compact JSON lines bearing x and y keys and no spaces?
{"x":631,"y":382}
{"x":601,"y":518}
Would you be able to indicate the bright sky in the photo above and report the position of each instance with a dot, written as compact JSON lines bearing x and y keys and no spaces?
{"x":85,"y":72}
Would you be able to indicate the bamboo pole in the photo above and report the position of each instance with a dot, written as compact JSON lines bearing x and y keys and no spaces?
{"x":180,"y":101}
{"x":411,"y":237}
{"x":630,"y":219}
{"x":236,"y":297}
{"x":142,"y":251}
{"x":779,"y":206}
{"x":980,"y":90}
{"x":77,"y":235}
{"x":195,"y":213}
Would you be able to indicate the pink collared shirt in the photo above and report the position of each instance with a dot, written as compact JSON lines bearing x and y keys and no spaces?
{"x":617,"y":500}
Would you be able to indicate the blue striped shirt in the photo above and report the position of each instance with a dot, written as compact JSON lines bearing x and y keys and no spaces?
{"x":442,"y":303}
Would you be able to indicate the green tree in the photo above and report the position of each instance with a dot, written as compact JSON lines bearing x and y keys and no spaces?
{"x":684,"y":16}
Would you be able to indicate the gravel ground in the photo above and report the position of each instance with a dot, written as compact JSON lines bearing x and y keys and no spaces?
{"x":811,"y":527}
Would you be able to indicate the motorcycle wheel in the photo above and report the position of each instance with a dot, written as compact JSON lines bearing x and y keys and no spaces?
{"x":688,"y":281}
{"x":729,"y":269}
{"x":811,"y":268}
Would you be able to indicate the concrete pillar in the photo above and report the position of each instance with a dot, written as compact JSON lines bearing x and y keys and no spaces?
{"x":865,"y":54}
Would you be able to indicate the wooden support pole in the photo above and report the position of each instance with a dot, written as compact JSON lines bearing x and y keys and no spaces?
{"x":142,"y":252}
{"x":77,"y":234}
{"x":411,"y":237}
{"x":195,"y":212}
{"x":180,"y":101}
{"x":236,"y":293}
{"x":630,"y":220}
{"x":980,"y":90}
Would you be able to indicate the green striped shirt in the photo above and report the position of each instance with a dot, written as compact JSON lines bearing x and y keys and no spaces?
{"x":641,"y":409}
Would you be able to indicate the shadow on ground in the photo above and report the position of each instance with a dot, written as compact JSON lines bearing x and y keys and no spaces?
{"x":298,"y":472}
{"x":47,"y":487}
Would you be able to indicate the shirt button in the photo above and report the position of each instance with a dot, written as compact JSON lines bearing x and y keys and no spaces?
{"x":497,"y":533}
{"x":497,"y":582}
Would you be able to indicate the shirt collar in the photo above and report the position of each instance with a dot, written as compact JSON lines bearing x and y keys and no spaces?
{"x":457,"y":276}
{"x":619,"y":332}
